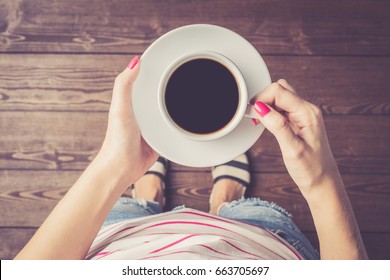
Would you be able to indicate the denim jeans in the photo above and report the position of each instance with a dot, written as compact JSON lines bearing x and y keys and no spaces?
{"x":252,"y":211}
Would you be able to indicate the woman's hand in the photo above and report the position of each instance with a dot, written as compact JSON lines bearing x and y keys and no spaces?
{"x":300,"y":132}
{"x":123,"y":158}
{"x":299,"y":129}
{"x":124,"y":146}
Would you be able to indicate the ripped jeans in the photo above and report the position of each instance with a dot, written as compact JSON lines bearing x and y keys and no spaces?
{"x":252,"y":211}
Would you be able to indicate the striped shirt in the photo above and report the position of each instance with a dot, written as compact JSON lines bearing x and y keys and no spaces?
{"x":188,"y":234}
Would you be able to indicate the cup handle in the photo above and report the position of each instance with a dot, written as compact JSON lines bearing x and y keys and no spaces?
{"x":251,"y":113}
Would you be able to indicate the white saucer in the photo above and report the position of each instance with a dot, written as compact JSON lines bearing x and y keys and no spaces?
{"x":159,"y":135}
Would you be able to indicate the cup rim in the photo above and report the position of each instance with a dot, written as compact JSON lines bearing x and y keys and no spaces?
{"x":242,"y":93}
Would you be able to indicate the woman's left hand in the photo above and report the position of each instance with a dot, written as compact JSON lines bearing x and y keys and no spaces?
{"x":123,"y":146}
{"x":123,"y":158}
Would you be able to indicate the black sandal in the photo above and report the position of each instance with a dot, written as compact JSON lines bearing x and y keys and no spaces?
{"x":237,"y":170}
{"x":159,"y":168}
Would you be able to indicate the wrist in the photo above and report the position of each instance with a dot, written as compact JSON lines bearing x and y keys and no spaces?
{"x":109,"y":167}
{"x":320,"y":176}
{"x":329,"y":183}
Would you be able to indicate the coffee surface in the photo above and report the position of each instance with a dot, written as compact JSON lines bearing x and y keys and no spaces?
{"x":201,"y":96}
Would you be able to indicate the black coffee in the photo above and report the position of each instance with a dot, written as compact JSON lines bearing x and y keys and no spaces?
{"x":201,"y":96}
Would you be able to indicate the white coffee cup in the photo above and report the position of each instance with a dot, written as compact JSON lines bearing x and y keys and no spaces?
{"x":243,"y":108}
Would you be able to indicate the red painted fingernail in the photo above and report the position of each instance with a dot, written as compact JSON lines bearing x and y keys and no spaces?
{"x":261,"y":108}
{"x":133,"y":62}
{"x":255,"y":121}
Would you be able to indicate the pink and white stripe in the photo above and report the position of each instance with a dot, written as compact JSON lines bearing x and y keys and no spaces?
{"x":188,"y":234}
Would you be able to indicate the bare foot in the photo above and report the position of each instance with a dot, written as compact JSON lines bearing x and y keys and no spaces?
{"x":225,"y":190}
{"x":150,"y":188}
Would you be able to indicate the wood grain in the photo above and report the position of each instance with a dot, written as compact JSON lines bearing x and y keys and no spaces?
{"x":302,"y":27}
{"x":27,"y":197}
{"x":12,"y":240}
{"x":69,"y":140}
{"x":58,"y":60}
{"x":50,"y":140}
{"x":339,"y":85}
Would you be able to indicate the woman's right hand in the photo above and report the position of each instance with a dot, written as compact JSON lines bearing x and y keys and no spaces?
{"x":299,"y":129}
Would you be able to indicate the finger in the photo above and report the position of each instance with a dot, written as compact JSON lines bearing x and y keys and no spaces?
{"x":278,"y":125}
{"x":280,"y":97}
{"x":127,"y":77}
{"x":285,"y":84}
{"x":255,"y":121}
{"x":123,"y":83}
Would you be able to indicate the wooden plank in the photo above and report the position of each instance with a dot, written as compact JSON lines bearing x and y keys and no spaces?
{"x":50,"y":140}
{"x":300,"y":27}
{"x":69,"y":140}
{"x":12,"y":240}
{"x":54,"y":82}
{"x":339,"y":85}
{"x":27,"y":197}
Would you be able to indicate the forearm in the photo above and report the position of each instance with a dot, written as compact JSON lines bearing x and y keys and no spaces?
{"x":73,"y":224}
{"x":335,"y":222}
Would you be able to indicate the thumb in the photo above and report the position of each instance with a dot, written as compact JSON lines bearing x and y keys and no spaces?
{"x":123,"y":84}
{"x":278,"y":125}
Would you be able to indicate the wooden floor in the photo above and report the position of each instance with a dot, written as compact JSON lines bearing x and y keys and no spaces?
{"x":58,"y":60}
